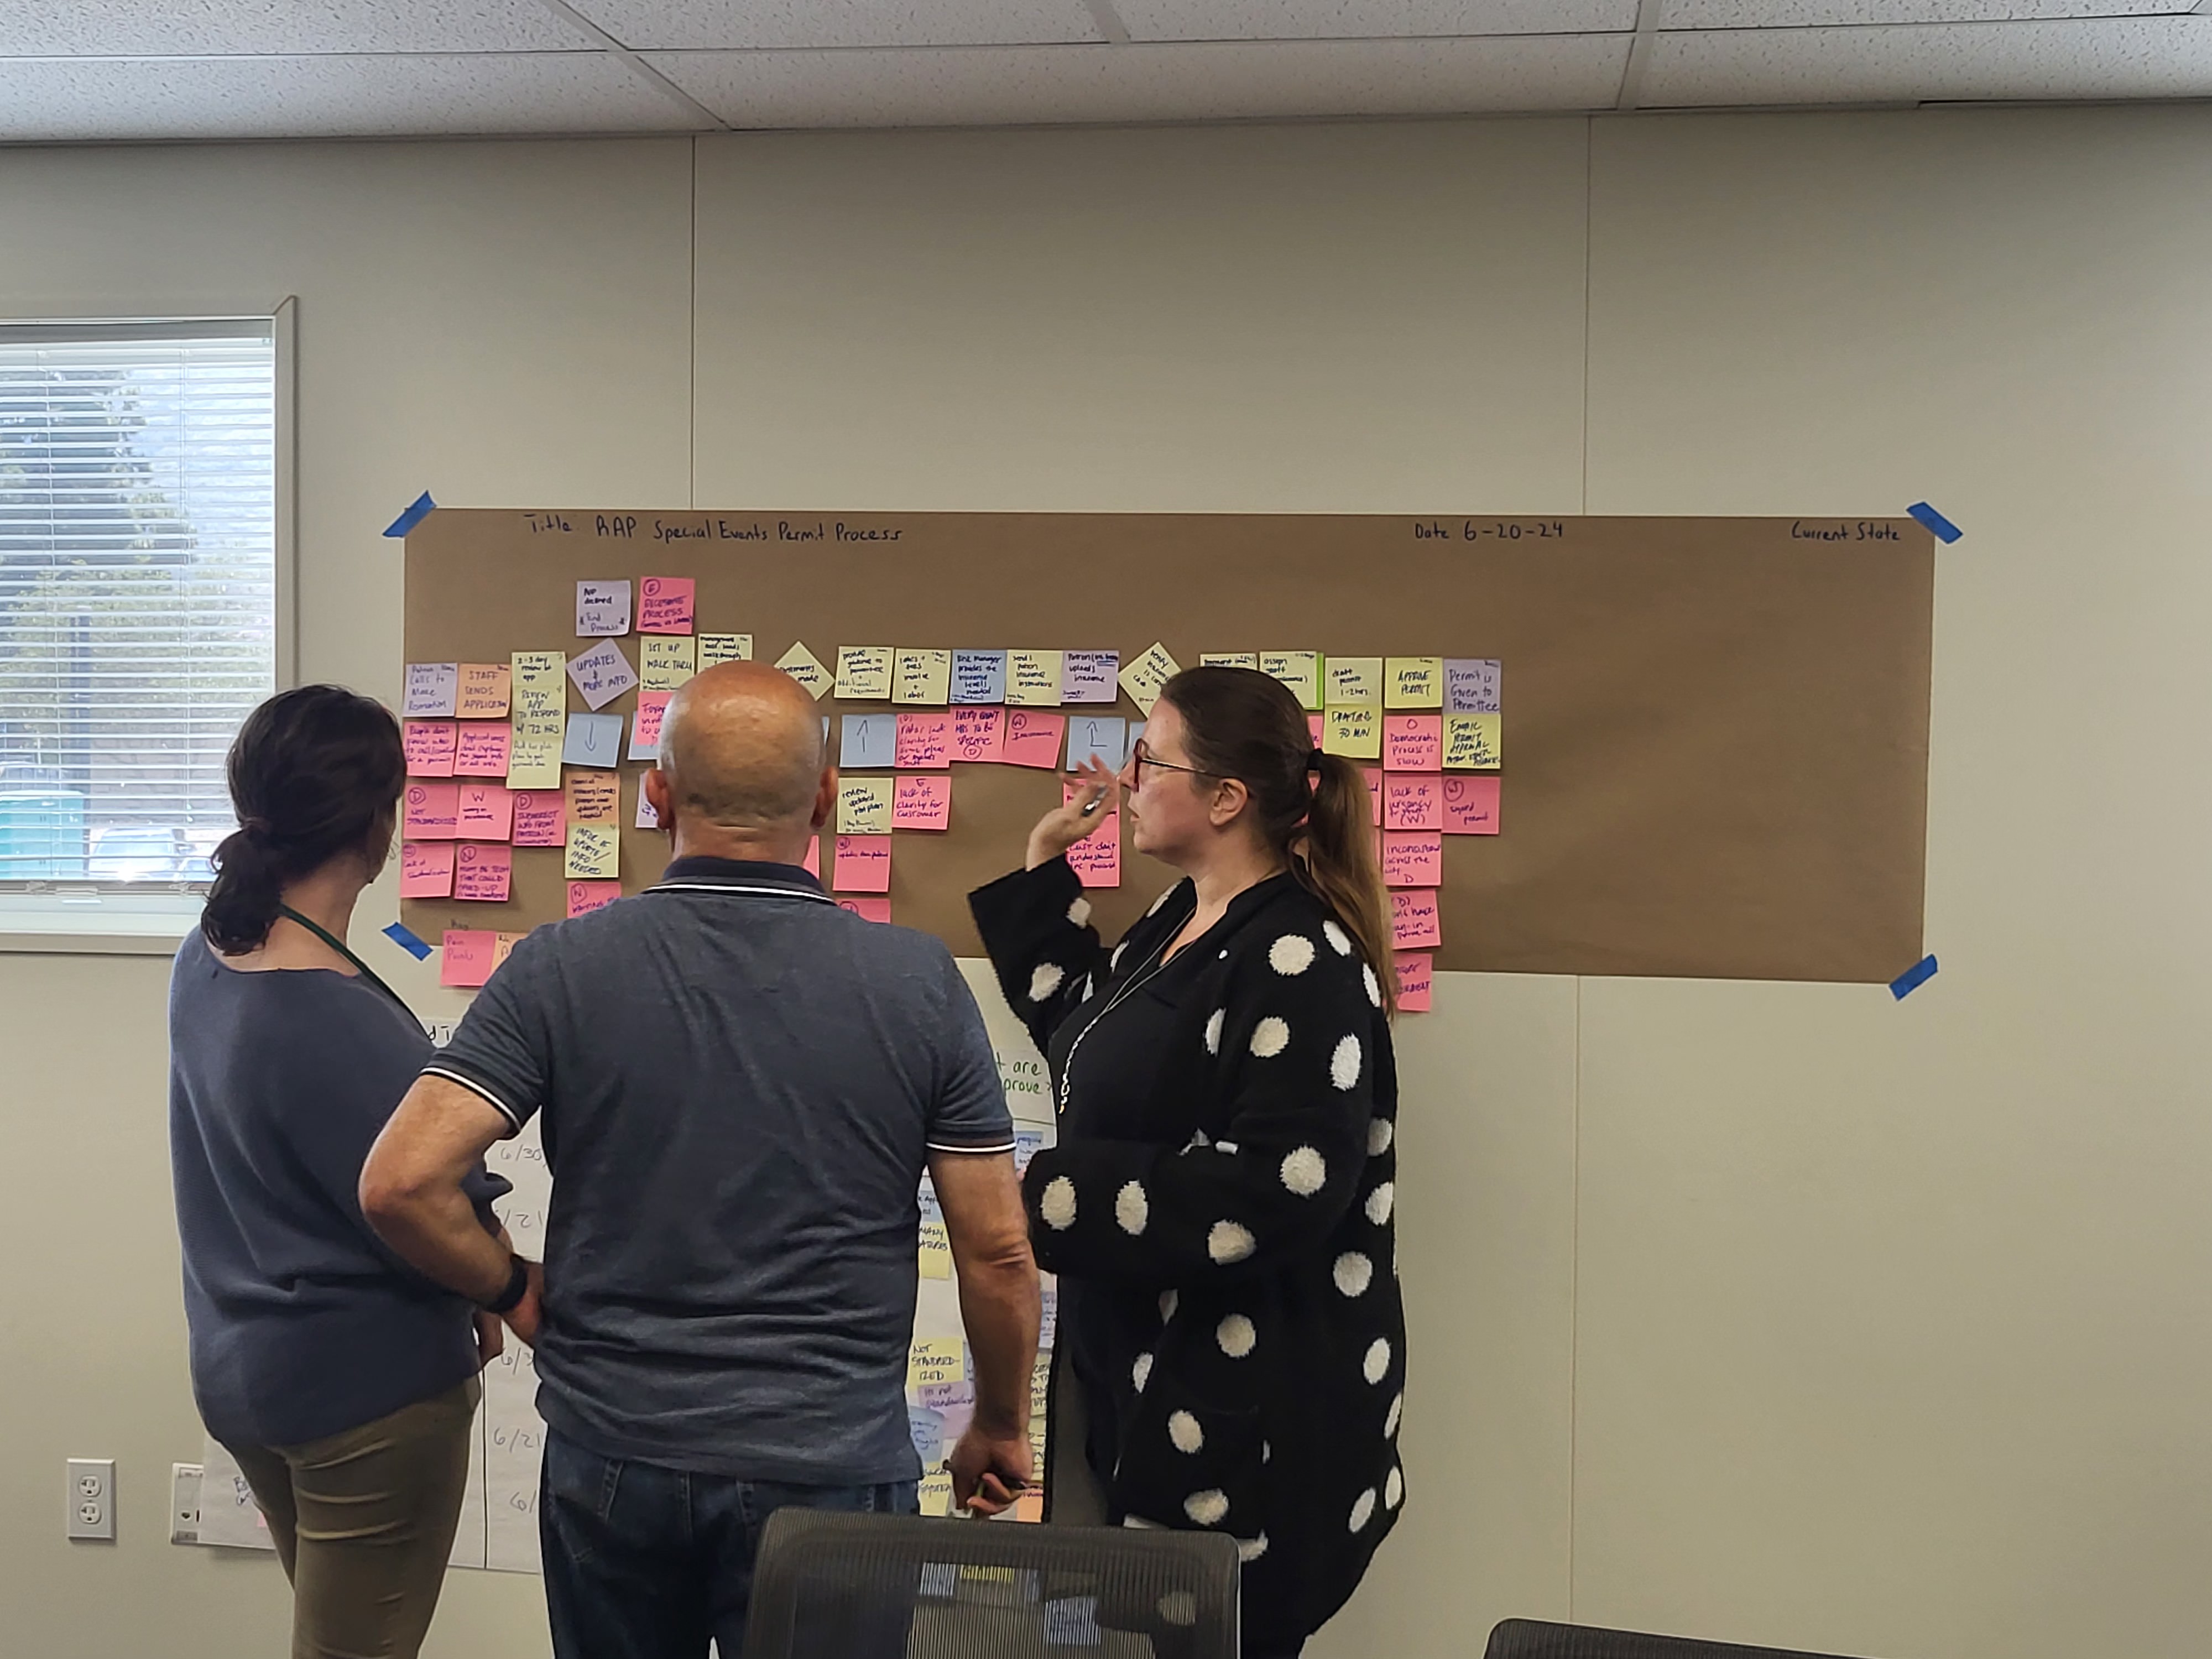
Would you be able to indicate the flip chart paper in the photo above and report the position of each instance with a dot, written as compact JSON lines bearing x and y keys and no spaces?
{"x":485,"y":691}
{"x":864,"y":806}
{"x":425,"y":869}
{"x":645,"y":725}
{"x":1228,"y":659}
{"x":1097,"y":858}
{"x":664,"y":604}
{"x":1472,"y":684}
{"x":864,"y":672}
{"x":925,"y":741}
{"x":586,"y":896}
{"x":541,"y":818}
{"x":717,"y":648}
{"x":921,"y":801}
{"x":1032,"y":738}
{"x":541,"y":693}
{"x":1355,"y":733}
{"x":1299,"y":669}
{"x":429,"y":746}
{"x":1142,"y":678}
{"x":1416,"y":972}
{"x":921,"y":675}
{"x":1412,"y":858}
{"x":978,"y":734}
{"x":431,"y":811}
{"x":467,"y":961}
{"x":805,"y":667}
{"x":1470,"y":805}
{"x":483,"y":750}
{"x":979,"y":676}
{"x":487,"y":812}
{"x":602,"y":609}
{"x":482,"y":872}
{"x":594,"y":852}
{"x":1412,"y":800}
{"x":1474,"y":742}
{"x":534,"y":763}
{"x":1352,"y":683}
{"x":1414,"y":922}
{"x":1412,"y":682}
{"x":665,"y":661}
{"x":433,"y":690}
{"x":868,"y":909}
{"x":1092,"y":736}
{"x":1089,"y":676}
{"x":1412,"y":743}
{"x":863,"y":865}
{"x":602,"y":674}
{"x":868,"y":743}
{"x":1033,"y":678}
{"x":593,"y":740}
{"x":593,"y":797}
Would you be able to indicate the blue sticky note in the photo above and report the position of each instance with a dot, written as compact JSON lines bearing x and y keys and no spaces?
{"x":593,"y":740}
{"x":979,"y":676}
{"x":1913,"y":978}
{"x":1105,"y":736}
{"x":926,"y":1428}
{"x":1027,"y":1143}
{"x":405,"y":938}
{"x":870,"y":744}
{"x":1944,"y":530}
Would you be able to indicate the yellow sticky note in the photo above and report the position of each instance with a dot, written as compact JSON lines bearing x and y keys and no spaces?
{"x":864,"y":806}
{"x":1355,"y":733}
{"x":1474,"y":742}
{"x":935,"y":1359}
{"x":1033,"y":678}
{"x":921,"y":676}
{"x":724,"y":647}
{"x":864,"y":672}
{"x":805,"y":667}
{"x":1228,"y":659}
{"x":1299,"y":669}
{"x":935,"y":1495}
{"x":533,"y":763}
{"x":1412,"y":682}
{"x":593,"y":796}
{"x":594,"y":853}
{"x":540,"y":692}
{"x":1352,"y":683}
{"x":1142,"y":678}
{"x":936,"y":1250}
{"x":502,"y":946}
{"x":666,"y":660}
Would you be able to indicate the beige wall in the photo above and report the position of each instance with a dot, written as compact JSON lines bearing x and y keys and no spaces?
{"x":1778,"y":1313}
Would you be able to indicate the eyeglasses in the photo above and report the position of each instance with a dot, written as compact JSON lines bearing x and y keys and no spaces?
{"x":1141,"y":756}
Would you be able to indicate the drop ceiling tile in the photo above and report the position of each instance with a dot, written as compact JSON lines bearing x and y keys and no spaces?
{"x":63,"y":101}
{"x":1813,"y":14}
{"x":134,"y":28}
{"x":1349,"y":20}
{"x":737,"y":25}
{"x":2121,"y":58}
{"x":1049,"y":85}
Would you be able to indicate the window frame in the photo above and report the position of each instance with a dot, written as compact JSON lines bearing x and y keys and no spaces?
{"x":153,"y":919}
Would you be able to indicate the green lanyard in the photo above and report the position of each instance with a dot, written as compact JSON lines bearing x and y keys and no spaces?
{"x":367,"y":972}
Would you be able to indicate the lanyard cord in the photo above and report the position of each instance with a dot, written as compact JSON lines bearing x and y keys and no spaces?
{"x":367,"y":972}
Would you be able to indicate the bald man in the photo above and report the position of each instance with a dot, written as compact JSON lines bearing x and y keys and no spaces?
{"x":738,"y":1085}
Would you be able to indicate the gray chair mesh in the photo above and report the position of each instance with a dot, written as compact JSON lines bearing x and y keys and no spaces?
{"x":830,"y":1586}
{"x":1529,"y":1638}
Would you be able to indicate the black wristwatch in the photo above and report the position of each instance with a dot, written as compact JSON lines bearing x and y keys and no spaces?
{"x":518,"y":1287}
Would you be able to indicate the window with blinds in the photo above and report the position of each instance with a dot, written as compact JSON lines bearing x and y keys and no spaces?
{"x":137,"y":592}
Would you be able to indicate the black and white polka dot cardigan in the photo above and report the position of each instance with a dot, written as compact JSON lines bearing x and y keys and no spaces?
{"x":1246,"y":1233}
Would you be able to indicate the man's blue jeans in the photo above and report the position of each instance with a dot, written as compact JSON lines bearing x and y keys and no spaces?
{"x":646,"y":1563}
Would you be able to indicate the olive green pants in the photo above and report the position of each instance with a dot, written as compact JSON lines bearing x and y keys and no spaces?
{"x":363,"y":1522}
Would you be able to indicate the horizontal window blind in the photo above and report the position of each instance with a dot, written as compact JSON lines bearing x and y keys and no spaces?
{"x":138,"y":591}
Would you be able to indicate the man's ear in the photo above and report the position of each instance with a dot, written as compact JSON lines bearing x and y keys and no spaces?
{"x":825,"y":800}
{"x":659,"y":797}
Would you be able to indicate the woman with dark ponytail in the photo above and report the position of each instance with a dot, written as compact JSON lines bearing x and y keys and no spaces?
{"x":342,"y":1381}
{"x":1218,"y":1204}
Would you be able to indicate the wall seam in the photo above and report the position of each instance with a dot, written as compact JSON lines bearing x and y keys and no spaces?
{"x":692,"y":344}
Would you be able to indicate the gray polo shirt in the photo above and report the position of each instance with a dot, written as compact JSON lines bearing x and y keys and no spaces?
{"x":740,"y":1085}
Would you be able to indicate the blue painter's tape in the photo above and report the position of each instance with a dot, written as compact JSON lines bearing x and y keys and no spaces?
{"x":1912,"y":978}
{"x":1945,"y":532}
{"x":424,"y":506}
{"x":398,"y":934}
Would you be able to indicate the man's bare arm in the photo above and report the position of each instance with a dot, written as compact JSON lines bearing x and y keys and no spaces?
{"x":999,"y":1304}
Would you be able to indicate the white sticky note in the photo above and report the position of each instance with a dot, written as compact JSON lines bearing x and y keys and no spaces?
{"x":432,"y":688}
{"x":602,"y":609}
{"x":602,"y":674}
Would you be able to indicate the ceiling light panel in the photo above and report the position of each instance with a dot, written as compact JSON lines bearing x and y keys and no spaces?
{"x":745,"y":25}
{"x":1351,"y":20}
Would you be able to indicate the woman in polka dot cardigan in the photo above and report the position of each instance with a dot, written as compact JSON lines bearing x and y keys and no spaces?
{"x":1217,"y":1207}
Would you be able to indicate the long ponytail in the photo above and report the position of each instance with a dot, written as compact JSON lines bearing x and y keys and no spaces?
{"x":1313,"y":809}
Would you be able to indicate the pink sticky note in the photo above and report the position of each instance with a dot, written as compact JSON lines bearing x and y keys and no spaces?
{"x":868,"y":909}
{"x":1412,"y":858}
{"x":645,"y":730}
{"x":1412,"y":800}
{"x":470,"y":955}
{"x":432,"y":811}
{"x":484,"y":748}
{"x":922,"y":802}
{"x":1412,"y":743}
{"x":586,"y":896}
{"x":979,"y":734}
{"x":1470,"y":805}
{"x":1415,"y":970}
{"x":864,"y":865}
{"x":429,"y":746}
{"x":664,"y":604}
{"x":487,"y":812}
{"x":925,"y":739}
{"x":1097,"y":858}
{"x":1033,"y":739}
{"x":425,"y":869}
{"x":483,"y":871}
{"x":1373,"y":774}
{"x":541,"y":818}
{"x":812,"y":863}
{"x":1414,"y":919}
{"x":1316,"y":725}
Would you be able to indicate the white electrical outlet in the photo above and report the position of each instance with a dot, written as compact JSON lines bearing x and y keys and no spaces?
{"x":92,"y":1498}
{"x":184,"y":1502}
